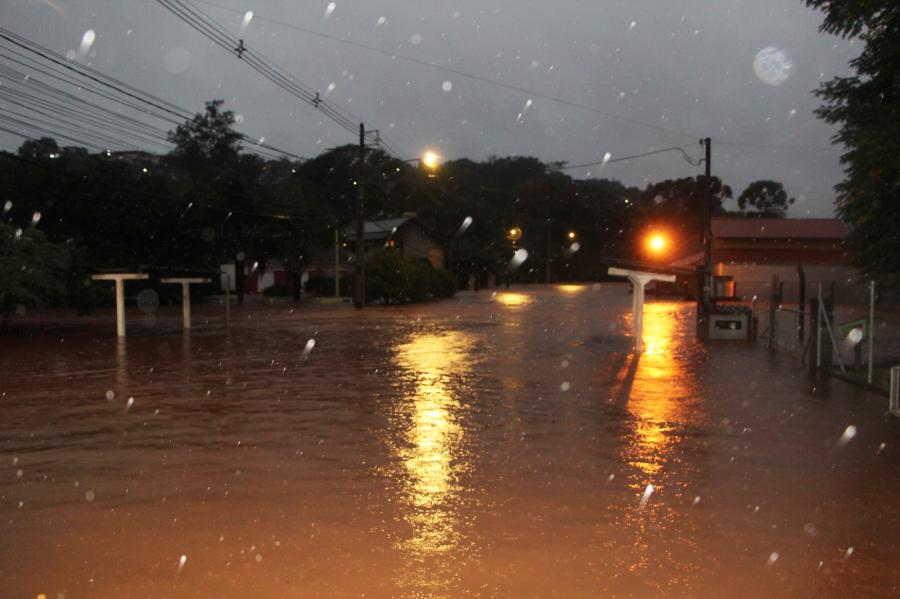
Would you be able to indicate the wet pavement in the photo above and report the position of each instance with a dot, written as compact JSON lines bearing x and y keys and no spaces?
{"x":493,"y":445}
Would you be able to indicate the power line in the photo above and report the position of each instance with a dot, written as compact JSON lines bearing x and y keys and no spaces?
{"x":209,"y":28}
{"x":480,"y":78}
{"x":164,"y":109}
{"x":681,"y":149}
{"x":508,"y":86}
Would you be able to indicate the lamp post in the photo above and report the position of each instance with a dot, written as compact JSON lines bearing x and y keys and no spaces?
{"x":571,"y":235}
{"x":430,"y":160}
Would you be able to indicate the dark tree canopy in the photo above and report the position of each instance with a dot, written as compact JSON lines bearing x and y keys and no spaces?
{"x":866,"y":107}
{"x":765,"y":198}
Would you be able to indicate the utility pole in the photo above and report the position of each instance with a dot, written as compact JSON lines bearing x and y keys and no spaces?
{"x":549,"y":258}
{"x":359,"y":287}
{"x":705,"y":272}
{"x":708,"y":233}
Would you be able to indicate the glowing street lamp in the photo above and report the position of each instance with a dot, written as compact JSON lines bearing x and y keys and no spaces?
{"x":514,"y":234}
{"x":657,"y":244}
{"x":571,"y":235}
{"x":431,"y":160}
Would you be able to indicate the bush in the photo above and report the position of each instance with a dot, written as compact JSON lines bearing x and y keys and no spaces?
{"x":325,"y":286}
{"x":32,"y":270}
{"x":277,"y":290}
{"x":393,"y":278}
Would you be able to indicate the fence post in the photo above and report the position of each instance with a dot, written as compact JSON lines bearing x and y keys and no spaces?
{"x":801,"y":305}
{"x":895,"y":391}
{"x":815,"y":329}
{"x":870,"y":375}
{"x":773,"y":315}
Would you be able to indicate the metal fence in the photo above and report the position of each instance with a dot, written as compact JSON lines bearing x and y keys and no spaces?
{"x":859,"y":340}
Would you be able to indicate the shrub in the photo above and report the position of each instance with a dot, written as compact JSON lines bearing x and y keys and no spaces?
{"x":325,"y":285}
{"x":277,"y":290}
{"x":393,"y":278}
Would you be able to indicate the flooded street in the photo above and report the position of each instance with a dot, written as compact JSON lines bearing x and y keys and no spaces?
{"x":493,"y":445}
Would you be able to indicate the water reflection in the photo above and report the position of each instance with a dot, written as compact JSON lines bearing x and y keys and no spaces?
{"x":431,"y":450}
{"x":659,"y":391}
{"x":512,"y":298}
{"x":570,"y":289}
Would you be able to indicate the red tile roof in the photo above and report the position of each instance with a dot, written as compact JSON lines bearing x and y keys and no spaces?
{"x":779,"y":228}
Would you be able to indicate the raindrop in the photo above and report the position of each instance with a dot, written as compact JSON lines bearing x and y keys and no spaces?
{"x":447,"y":86}
{"x":70,"y":54}
{"x":520,"y":256}
{"x":606,"y":157}
{"x":258,"y":558}
{"x":7,"y":206}
{"x":89,"y":496}
{"x":381,"y":21}
{"x":18,"y":233}
{"x":415,"y":39}
{"x":846,"y":436}
{"x":466,"y":223}
{"x":772,"y":66}
{"x":855,"y":335}
{"x":110,"y":395}
{"x":565,"y":386}
{"x":610,"y":478}
{"x":632,"y":26}
{"x":773,"y":557}
{"x":696,"y":500}
{"x":19,"y":473}
{"x":238,"y":118}
{"x":329,"y":9}
{"x":248,"y":16}
{"x":574,"y":247}
{"x":254,"y":267}
{"x":646,"y":496}
{"x":35,"y":218}
{"x":810,"y":529}
{"x":881,"y":447}
{"x":525,"y":108}
{"x":848,"y":553}
{"x":87,"y":41}
{"x":309,"y":347}
{"x":330,"y":88}
{"x":129,"y":403}
{"x":181,"y":562}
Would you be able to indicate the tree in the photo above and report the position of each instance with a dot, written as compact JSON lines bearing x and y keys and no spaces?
{"x":866,"y":106}
{"x":32,"y":270}
{"x":766,"y":198}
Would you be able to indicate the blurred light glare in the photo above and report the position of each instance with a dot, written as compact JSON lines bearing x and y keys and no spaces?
{"x":431,"y":159}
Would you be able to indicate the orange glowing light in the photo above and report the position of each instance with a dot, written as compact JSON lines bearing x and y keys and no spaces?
{"x":657,"y":244}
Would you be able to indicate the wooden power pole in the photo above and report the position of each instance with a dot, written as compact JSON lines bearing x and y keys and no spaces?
{"x":359,"y":287}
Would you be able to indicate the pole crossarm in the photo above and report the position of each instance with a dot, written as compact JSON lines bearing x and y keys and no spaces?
{"x":639,"y":280}
{"x":119,"y":279}
{"x":185,"y":283}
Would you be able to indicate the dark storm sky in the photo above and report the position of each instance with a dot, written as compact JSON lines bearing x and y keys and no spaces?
{"x":686,"y":72}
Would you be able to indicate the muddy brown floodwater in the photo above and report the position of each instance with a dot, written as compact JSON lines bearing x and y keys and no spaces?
{"x":493,"y":445}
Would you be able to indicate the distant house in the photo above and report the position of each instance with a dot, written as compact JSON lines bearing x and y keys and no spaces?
{"x":750,"y":251}
{"x":406,"y":234}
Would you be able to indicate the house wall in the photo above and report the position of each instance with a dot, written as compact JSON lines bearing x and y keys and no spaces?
{"x":756,"y":279}
{"x":416,"y":243}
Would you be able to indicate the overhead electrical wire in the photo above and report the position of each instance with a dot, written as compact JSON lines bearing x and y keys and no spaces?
{"x":216,"y":33}
{"x":508,"y":86}
{"x":134,"y":98}
{"x":685,"y":155}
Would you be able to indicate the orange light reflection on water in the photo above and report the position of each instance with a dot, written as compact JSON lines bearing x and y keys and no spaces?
{"x":431,"y":450}
{"x":511,"y":298}
{"x":660,"y":394}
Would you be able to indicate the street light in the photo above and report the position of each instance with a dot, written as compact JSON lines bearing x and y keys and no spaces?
{"x":571,"y":235}
{"x":514,"y":234}
{"x":657,"y":244}
{"x":431,"y":160}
